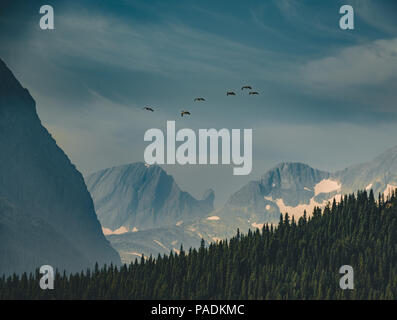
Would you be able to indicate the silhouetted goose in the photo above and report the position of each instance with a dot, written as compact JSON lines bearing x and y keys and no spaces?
{"x":199,"y":99}
{"x":246,"y":87}
{"x":184,"y":112}
{"x":253,"y":93}
{"x":148,"y":109}
{"x":230,"y":93}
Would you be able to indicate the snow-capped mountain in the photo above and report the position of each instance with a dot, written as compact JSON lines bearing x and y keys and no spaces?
{"x":380,"y":174}
{"x":46,"y":213}
{"x":136,"y":197}
{"x":296,"y":187}
{"x":289,"y":187}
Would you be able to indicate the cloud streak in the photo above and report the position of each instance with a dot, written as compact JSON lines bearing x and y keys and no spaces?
{"x":320,"y":88}
{"x":365,"y":73}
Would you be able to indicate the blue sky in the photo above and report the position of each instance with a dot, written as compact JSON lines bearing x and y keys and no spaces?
{"x":327,"y":96}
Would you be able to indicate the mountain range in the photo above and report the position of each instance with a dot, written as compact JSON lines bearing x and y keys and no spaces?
{"x":289,"y":187}
{"x":50,"y":214}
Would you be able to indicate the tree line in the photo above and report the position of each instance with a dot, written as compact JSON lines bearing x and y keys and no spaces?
{"x":294,"y":260}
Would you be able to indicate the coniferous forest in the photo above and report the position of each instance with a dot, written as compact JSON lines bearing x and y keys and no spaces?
{"x":295,"y":260}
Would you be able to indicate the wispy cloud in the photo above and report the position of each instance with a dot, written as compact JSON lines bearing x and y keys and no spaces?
{"x":378,"y":14}
{"x":166,"y":49}
{"x":366,"y":73}
{"x":320,"y":88}
{"x":373,"y":63}
{"x":288,"y":8}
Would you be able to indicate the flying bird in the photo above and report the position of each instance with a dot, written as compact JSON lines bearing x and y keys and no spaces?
{"x":148,"y":109}
{"x":230,"y":93}
{"x":199,"y":99}
{"x":246,"y":87}
{"x":253,"y":93}
{"x":185,"y":112}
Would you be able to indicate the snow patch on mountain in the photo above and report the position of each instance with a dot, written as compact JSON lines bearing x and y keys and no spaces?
{"x":257,"y":225}
{"x":137,"y":254}
{"x":298,"y":210}
{"x":213,"y":218}
{"x":121,"y":230}
{"x":160,"y":244}
{"x":326,"y":186}
{"x":389,"y":190}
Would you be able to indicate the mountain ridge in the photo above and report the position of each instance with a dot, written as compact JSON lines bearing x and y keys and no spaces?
{"x":38,"y":179}
{"x":142,"y":197}
{"x":292,"y":187}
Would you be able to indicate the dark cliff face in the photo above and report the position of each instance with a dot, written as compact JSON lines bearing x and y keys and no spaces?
{"x":143,"y":197}
{"x":28,"y":242}
{"x":39,"y":180}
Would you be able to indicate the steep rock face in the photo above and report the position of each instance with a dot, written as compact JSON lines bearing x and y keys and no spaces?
{"x":28,"y":242}
{"x":136,"y":196}
{"x":294,"y":183}
{"x":38,"y":179}
{"x":380,"y":174}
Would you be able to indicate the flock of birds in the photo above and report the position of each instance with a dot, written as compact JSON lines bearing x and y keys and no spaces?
{"x":200,"y":99}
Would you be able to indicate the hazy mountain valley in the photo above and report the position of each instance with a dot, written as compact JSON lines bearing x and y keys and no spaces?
{"x":50,"y":214}
{"x":289,"y":187}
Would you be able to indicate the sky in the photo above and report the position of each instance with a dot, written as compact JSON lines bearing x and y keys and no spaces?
{"x":327,"y":95}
